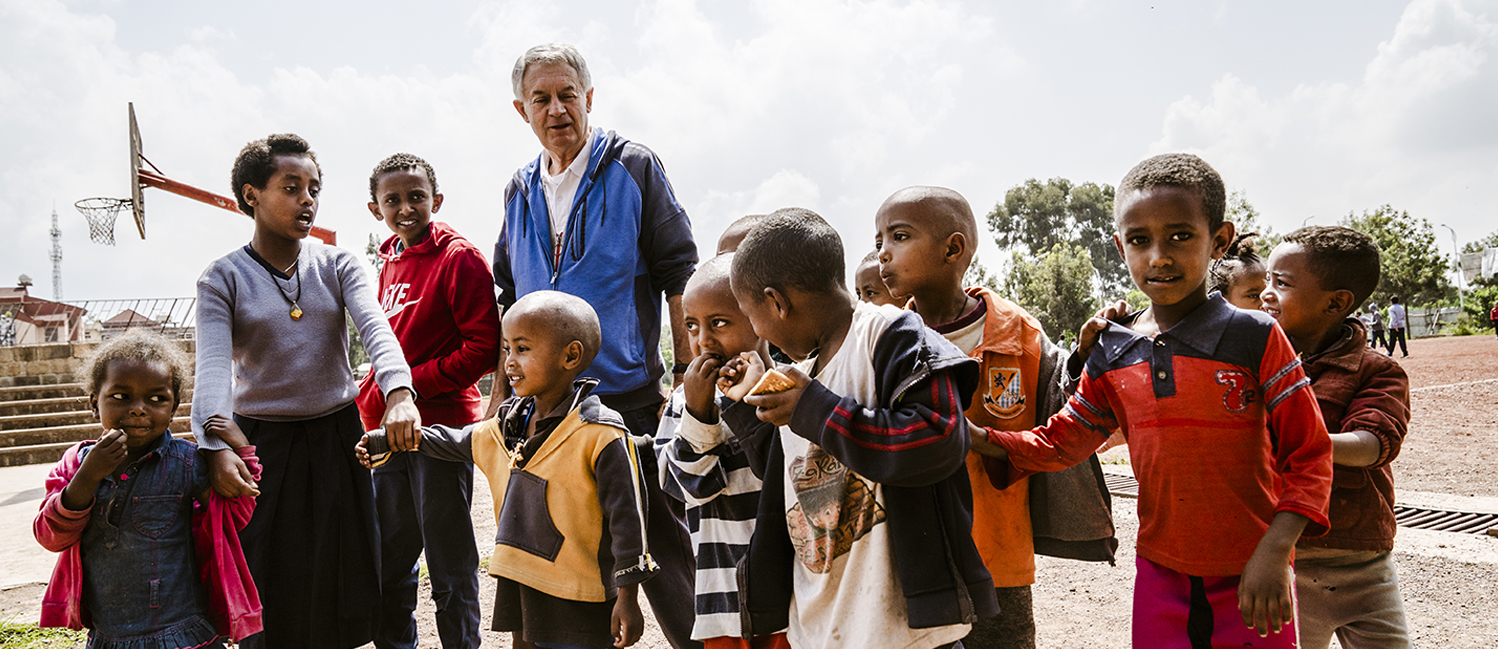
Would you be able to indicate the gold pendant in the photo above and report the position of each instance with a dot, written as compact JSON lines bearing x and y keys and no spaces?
{"x":296,"y":312}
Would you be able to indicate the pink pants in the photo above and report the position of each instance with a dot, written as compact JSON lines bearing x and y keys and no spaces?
{"x":1174,"y":610}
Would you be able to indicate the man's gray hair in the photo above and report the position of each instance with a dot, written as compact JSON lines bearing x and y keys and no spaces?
{"x":550,"y":53}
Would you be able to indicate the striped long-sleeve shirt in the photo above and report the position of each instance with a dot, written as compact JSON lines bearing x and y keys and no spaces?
{"x":702,"y":465}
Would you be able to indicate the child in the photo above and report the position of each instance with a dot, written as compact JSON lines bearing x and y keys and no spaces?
{"x":1374,"y":322}
{"x":1397,"y":318}
{"x":1231,"y":454}
{"x":870,"y":285}
{"x":702,"y":464}
{"x":1239,"y":274}
{"x":864,"y":532}
{"x":149,"y":556}
{"x":450,"y":336}
{"x":1344,"y":581}
{"x":273,"y":352}
{"x":736,"y":231}
{"x":568,"y":489}
{"x":924,"y":238}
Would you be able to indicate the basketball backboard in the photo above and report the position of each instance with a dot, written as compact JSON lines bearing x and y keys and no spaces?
{"x":136,"y":195}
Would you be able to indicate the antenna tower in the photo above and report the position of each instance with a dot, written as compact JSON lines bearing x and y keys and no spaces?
{"x":56,"y":258}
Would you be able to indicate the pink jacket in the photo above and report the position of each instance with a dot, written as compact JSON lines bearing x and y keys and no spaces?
{"x":233,"y":602}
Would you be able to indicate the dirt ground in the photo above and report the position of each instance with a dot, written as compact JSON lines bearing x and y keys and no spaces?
{"x":1449,"y":581}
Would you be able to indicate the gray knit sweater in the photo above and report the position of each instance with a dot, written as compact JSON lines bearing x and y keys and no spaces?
{"x":253,"y":359}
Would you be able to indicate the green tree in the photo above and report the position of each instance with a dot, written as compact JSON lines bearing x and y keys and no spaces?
{"x":1036,"y":216}
{"x":1490,"y":241}
{"x":1247,"y":219}
{"x":1411,"y":264}
{"x":1056,"y":288}
{"x":977,"y":275}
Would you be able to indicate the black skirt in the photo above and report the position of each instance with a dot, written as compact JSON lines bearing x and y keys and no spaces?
{"x":312,"y":544}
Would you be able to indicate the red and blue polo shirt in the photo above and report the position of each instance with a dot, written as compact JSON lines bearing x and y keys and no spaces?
{"x":1223,"y":433}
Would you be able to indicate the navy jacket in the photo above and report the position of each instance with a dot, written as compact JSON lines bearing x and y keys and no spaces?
{"x":925,"y":385}
{"x":627,"y":241}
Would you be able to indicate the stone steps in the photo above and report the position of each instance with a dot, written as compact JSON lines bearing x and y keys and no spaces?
{"x":18,"y":393}
{"x":45,"y":419}
{"x":52,"y":452}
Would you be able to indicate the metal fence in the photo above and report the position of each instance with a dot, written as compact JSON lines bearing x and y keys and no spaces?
{"x":173,"y":317}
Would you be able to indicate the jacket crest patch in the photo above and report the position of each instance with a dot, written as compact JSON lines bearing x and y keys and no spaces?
{"x":1005,"y":396}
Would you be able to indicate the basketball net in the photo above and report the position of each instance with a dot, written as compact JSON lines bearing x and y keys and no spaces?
{"x":100,"y":214}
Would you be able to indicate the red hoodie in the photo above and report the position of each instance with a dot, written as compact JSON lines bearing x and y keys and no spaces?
{"x":439,"y":297}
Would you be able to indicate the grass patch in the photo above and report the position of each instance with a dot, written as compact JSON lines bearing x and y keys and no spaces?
{"x":30,"y":636}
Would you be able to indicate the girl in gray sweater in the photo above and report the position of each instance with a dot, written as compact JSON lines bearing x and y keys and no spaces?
{"x":272,"y":351}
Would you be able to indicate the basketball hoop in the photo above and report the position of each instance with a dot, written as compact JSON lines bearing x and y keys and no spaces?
{"x":100,"y":213}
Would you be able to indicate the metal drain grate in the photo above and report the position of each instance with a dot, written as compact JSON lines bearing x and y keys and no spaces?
{"x":1444,"y":520}
{"x":1415,"y":518}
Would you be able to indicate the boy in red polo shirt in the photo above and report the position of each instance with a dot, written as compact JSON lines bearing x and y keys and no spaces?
{"x":1345,"y":581}
{"x":437,"y":291}
{"x":924,"y":238}
{"x":1226,"y":440}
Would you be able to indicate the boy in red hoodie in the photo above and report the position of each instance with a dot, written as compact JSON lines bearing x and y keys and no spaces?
{"x":436,"y":289}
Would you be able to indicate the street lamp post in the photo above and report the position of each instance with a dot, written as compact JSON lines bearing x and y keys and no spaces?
{"x":1456,"y":254}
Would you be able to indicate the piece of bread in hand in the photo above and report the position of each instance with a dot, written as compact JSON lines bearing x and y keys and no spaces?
{"x":772,"y":382}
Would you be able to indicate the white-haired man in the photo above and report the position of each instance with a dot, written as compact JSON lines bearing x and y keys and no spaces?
{"x":594,"y":216}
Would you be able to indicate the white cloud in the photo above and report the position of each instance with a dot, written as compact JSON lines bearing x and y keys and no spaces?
{"x":1415,"y":131}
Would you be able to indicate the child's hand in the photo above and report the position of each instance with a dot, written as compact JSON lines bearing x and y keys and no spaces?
{"x":104,"y":457}
{"x":1095,"y":325}
{"x":698,"y":386}
{"x":626,"y":623}
{"x":361,"y":450}
{"x":229,"y":476}
{"x":225,"y":429}
{"x":980,"y":443}
{"x":106,"y":454}
{"x":739,"y":375}
{"x":1264,"y":597}
{"x":776,"y":408}
{"x":402,"y":421}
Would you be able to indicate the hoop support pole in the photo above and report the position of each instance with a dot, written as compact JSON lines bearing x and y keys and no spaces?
{"x":149,"y":178}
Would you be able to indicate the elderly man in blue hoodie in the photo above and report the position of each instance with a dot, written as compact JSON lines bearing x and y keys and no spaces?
{"x":594,"y":216}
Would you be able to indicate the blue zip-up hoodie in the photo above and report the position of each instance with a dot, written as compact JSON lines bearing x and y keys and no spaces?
{"x":627,"y":242}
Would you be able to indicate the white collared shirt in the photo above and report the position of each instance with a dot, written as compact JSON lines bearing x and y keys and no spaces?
{"x":561,"y":190}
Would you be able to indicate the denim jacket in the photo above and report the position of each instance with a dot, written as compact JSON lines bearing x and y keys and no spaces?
{"x":144,"y":566}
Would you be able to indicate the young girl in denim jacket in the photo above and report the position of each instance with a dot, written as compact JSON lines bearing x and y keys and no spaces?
{"x":150,"y":558}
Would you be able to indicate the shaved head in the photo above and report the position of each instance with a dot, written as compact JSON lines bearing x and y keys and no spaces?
{"x":712,"y":273}
{"x":937,"y":210}
{"x":736,"y":232}
{"x":566,"y":317}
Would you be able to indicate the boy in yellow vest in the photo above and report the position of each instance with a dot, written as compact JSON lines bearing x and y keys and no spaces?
{"x":925,"y":238}
{"x":565,"y":478}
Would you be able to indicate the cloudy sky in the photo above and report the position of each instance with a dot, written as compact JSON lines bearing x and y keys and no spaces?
{"x":1313,"y":109}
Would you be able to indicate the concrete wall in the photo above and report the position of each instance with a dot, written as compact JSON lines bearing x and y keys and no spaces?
{"x":51,"y":364}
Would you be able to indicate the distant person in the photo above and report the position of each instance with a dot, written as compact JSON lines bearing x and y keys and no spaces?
{"x":1224,"y":494}
{"x":1493,"y":317}
{"x":130,"y":513}
{"x":870,"y":286}
{"x":1375,"y":322}
{"x":925,"y":238}
{"x":569,"y":492}
{"x":864,"y":532}
{"x":1345,"y":581}
{"x":1397,"y":326}
{"x":273,"y":323}
{"x":1239,"y":274}
{"x":434,"y":288}
{"x":702,"y":463}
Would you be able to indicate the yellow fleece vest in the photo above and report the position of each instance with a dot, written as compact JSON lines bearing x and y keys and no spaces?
{"x":558,"y":480}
